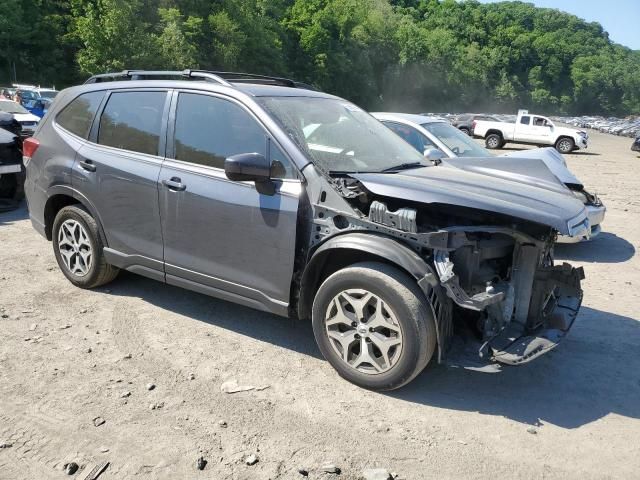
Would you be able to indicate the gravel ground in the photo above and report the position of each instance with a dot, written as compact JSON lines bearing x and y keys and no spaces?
{"x":70,"y":359}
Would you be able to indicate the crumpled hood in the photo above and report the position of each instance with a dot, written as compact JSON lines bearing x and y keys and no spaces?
{"x":484,"y":184}
{"x":553,"y":160}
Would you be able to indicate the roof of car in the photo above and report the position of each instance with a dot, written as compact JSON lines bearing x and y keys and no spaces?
{"x":409,"y":117}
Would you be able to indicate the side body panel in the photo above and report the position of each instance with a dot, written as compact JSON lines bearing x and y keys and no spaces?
{"x":228,"y":236}
{"x":49,"y":171}
{"x":124,"y":189}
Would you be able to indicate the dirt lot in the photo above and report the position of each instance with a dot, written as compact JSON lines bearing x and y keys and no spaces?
{"x":68,"y":356}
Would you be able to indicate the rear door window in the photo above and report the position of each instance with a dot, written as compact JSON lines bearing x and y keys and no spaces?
{"x":78,"y":115}
{"x":525,"y":120}
{"x":133,"y":121}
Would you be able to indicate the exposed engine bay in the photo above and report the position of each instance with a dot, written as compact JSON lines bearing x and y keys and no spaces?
{"x":492,"y":276}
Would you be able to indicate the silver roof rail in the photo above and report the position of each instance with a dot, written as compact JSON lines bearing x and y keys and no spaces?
{"x":157,"y":74}
{"x":222,"y":78}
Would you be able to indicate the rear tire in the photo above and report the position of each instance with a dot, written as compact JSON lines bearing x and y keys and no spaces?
{"x":78,"y":248}
{"x":565,"y":145}
{"x":465,"y":131}
{"x":494,"y":141}
{"x":395,"y":317}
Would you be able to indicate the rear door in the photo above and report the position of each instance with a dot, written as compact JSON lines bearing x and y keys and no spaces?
{"x":222,"y":237}
{"x":117,"y":171}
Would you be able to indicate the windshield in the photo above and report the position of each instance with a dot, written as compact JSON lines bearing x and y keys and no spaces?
{"x":339,"y":136}
{"x":461,"y":144}
{"x":11,"y":107}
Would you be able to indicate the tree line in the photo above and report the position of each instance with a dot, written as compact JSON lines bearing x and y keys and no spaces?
{"x":410,"y":55}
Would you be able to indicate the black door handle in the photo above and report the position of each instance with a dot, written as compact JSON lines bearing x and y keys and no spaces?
{"x":174,"y":184}
{"x":88,"y":166}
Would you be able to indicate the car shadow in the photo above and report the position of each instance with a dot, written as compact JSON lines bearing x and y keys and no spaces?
{"x":12,"y":216}
{"x":592,"y":373}
{"x":517,"y":149}
{"x":283,"y":332}
{"x":605,"y":248}
{"x":521,"y":148}
{"x":584,"y":153}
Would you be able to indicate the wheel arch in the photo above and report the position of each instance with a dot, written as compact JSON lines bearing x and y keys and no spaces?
{"x":349,"y":248}
{"x":494,"y":131}
{"x":560,"y":137}
{"x":63,"y":196}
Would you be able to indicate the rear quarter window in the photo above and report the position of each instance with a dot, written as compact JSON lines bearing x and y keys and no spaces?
{"x":78,"y":115}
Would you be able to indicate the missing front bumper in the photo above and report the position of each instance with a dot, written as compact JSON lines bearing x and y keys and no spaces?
{"x":555,"y":302}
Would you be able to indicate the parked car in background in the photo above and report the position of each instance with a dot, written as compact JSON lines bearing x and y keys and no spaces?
{"x":47,"y":93}
{"x":427,"y":133}
{"x":11,"y":177}
{"x":27,"y":120}
{"x":300,"y":203}
{"x":35,"y":99}
{"x":635,"y":146}
{"x":530,"y":129}
{"x":465,"y":122}
{"x":628,"y":127}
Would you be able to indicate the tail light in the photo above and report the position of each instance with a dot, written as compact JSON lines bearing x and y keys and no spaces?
{"x":473,"y":125}
{"x":29,"y":147}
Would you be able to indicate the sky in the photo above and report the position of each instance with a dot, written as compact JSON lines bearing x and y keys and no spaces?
{"x":620,"y":18}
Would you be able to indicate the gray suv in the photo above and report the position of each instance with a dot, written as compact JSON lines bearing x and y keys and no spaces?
{"x":267,"y":193}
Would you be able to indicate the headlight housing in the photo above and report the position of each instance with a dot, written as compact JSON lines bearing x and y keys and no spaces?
{"x":580,"y":195}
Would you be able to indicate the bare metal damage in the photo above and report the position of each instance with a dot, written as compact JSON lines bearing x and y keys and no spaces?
{"x":499,"y":280}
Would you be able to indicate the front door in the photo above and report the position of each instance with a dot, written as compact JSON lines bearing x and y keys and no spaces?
{"x":541,"y":130}
{"x":222,"y":237}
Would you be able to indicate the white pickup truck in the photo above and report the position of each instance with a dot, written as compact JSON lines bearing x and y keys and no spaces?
{"x":530,"y":129}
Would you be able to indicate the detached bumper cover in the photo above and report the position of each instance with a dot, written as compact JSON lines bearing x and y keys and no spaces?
{"x":556,"y":300}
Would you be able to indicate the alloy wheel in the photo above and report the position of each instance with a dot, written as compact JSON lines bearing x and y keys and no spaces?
{"x":75,"y":248}
{"x":363,"y":331}
{"x":564,"y":146}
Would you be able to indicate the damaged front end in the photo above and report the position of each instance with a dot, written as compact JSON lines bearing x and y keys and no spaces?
{"x":496,"y":295}
{"x":520,"y":312}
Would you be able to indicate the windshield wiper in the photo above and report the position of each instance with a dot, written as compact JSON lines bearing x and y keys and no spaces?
{"x":402,"y":166}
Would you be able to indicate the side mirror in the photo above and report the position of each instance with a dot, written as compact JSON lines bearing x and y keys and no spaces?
{"x":247,"y":167}
{"x":250,"y":167}
{"x":434,"y":155}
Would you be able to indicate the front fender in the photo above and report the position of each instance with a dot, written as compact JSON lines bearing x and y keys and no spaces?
{"x":390,"y":251}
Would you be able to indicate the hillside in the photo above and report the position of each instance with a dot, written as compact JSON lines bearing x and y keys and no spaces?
{"x":404,"y":54}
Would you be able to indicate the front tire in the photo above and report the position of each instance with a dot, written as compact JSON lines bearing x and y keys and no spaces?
{"x":374,"y":326}
{"x":565,"y":145}
{"x":493,"y":141}
{"x":465,"y":131}
{"x":78,"y":248}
